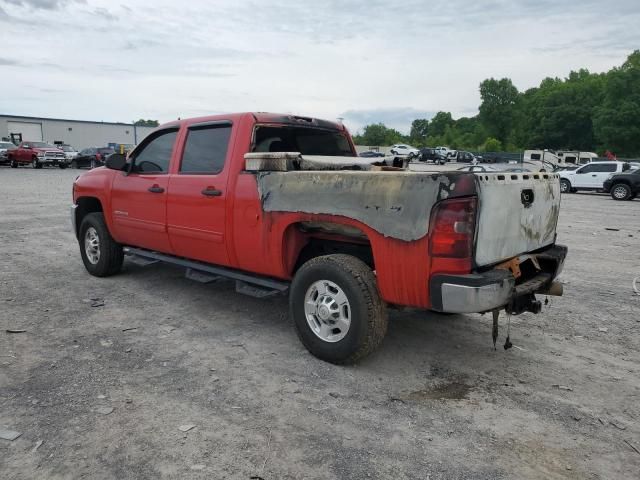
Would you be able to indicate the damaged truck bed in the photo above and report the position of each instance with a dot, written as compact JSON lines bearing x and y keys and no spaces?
{"x":289,"y":204}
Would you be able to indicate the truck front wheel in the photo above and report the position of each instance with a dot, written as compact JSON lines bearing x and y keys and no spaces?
{"x":565,"y":186}
{"x":101,"y":254}
{"x":336,"y":308}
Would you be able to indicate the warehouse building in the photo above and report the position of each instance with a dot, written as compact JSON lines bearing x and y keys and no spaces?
{"x":77,"y":133}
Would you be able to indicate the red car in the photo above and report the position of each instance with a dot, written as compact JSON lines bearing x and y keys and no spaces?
{"x":281,"y":203}
{"x":37,"y":154}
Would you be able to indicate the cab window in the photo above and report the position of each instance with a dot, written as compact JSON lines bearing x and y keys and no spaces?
{"x":155,"y":154}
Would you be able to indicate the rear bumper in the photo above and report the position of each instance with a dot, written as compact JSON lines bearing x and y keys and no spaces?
{"x":494,"y":289}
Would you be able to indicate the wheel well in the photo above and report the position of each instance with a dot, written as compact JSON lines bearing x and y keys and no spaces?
{"x":86,"y":205}
{"x":307,"y":240}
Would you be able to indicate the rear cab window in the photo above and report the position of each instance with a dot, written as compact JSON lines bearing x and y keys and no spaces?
{"x":306,"y":140}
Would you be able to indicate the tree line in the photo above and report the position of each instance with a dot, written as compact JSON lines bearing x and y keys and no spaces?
{"x":585,"y":111}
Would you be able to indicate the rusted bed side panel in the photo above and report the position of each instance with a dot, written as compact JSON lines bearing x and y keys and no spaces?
{"x":395,"y":204}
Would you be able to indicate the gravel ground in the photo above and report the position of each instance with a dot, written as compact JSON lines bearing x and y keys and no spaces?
{"x":109,"y":370}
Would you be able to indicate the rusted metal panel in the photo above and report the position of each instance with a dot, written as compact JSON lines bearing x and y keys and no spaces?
{"x":395,"y":204}
{"x":510,"y":222}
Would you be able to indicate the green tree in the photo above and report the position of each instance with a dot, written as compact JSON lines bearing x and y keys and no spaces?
{"x":491,"y":145}
{"x":498,"y":107}
{"x":617,"y":119}
{"x":419,"y":132}
{"x":439,"y":123}
{"x":146,"y":123}
{"x":378,"y":134}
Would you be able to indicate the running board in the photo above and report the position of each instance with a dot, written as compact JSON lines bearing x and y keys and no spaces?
{"x":246,"y":283}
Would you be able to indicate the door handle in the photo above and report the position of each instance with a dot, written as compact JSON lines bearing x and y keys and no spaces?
{"x":211,"y":192}
{"x":594,"y":175}
{"x":156,"y":189}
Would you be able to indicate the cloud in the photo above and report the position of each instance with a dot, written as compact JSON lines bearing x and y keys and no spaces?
{"x":398,"y":118}
{"x":358,"y":59}
{"x":43,"y":4}
{"x":9,"y":62}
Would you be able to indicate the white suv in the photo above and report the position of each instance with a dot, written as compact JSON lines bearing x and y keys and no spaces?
{"x":590,"y":176}
{"x":402,"y":150}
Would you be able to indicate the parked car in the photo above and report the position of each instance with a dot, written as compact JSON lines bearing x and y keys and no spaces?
{"x":431,"y":155}
{"x":91,"y":157}
{"x":269,"y":220}
{"x":36,"y":154}
{"x":69,"y":152}
{"x":478,"y":168}
{"x":404,"y":150}
{"x":466,"y":157}
{"x":623,"y":185}
{"x":590,"y":176}
{"x":4,"y":148}
{"x":371,"y":154}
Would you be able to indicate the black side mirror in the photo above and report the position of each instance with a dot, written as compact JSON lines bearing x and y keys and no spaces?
{"x":116,"y":161}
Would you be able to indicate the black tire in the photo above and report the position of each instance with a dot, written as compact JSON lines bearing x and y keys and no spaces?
{"x":14,"y":164}
{"x":93,"y":164}
{"x":621,"y":191}
{"x":111,"y":254}
{"x":565,"y":186}
{"x":63,"y":166}
{"x":35,"y":163}
{"x":368,"y":313}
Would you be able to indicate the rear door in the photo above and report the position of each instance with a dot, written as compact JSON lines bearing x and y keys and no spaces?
{"x":602,"y":171}
{"x":139,"y":199}
{"x":198,"y":194}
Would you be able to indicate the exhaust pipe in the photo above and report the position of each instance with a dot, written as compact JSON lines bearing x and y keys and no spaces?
{"x":555,"y":289}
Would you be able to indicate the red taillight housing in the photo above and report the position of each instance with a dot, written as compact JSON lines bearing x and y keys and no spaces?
{"x":452,"y":228}
{"x":99,"y":157}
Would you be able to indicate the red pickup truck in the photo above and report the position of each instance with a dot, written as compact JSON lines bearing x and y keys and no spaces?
{"x":37,"y":154}
{"x":281,"y":203}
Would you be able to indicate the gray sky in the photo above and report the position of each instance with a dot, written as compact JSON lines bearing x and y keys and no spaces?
{"x":364,"y":60}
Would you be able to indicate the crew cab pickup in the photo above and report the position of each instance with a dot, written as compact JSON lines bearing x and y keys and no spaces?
{"x":281,"y":203}
{"x":37,"y":154}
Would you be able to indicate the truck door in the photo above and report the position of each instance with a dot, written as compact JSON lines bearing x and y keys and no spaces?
{"x":602,"y":171}
{"x":582,"y":177}
{"x":139,"y":199}
{"x":198,"y":194}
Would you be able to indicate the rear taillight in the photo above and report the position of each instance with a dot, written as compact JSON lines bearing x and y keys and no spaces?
{"x":98,"y":157}
{"x":452,"y":228}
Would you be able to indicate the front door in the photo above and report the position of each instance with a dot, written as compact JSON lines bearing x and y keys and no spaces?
{"x":198,"y":193}
{"x":139,"y":199}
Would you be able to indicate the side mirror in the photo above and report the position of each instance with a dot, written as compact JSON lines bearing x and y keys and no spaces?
{"x":116,"y":161}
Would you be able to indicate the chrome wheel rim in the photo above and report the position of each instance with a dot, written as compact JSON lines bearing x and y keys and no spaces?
{"x":564,"y":187}
{"x":92,"y":245}
{"x":327,"y":310}
{"x":620,"y":192}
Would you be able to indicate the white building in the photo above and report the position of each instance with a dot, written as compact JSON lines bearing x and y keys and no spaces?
{"x":77,"y":133}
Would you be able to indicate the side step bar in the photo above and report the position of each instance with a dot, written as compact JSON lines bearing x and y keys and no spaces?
{"x":246,"y":283}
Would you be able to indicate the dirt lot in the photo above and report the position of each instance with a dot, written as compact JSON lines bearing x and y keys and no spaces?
{"x":108,"y":370}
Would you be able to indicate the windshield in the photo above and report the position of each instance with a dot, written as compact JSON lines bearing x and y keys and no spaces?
{"x":307,"y":141}
{"x":66,"y":148}
{"x":40,"y":145}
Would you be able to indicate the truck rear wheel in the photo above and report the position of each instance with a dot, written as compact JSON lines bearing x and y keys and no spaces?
{"x":621,"y":191}
{"x":101,"y":254}
{"x":336,"y":308}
